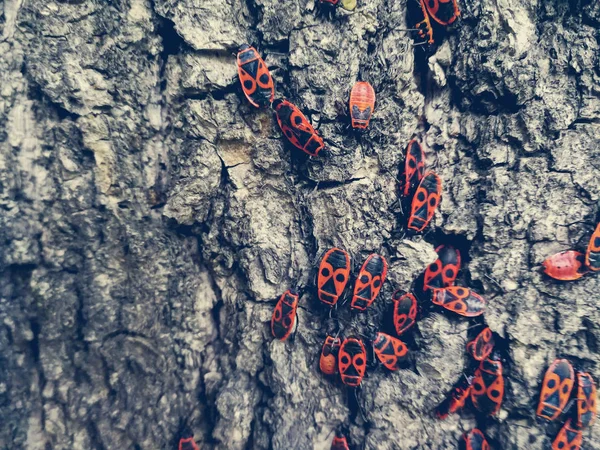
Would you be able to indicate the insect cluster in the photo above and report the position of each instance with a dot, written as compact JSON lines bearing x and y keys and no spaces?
{"x":435,"y":13}
{"x":483,"y":381}
{"x":564,"y":390}
{"x":347,"y":357}
{"x":482,"y":385}
{"x":571,"y":265}
{"x":259,"y":89}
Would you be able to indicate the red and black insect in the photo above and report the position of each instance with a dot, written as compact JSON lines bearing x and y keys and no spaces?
{"x":456,"y":399}
{"x":444,"y":12}
{"x":566,"y":266}
{"x":567,"y":438}
{"x":556,"y":389}
{"x":256,"y":80}
{"x":474,"y":440}
{"x":425,"y":202}
{"x":460,"y":300}
{"x":339,"y":442}
{"x":405,"y":311}
{"x":389,"y":350}
{"x":328,"y":363}
{"x":592,"y":254}
{"x":188,"y":444}
{"x":424,"y":29}
{"x":368,"y":284}
{"x":414,"y":167}
{"x":284,"y":315}
{"x":297,"y":128}
{"x":362,"y":104}
{"x":483,"y":344}
{"x":352,"y":361}
{"x":443,"y":272}
{"x":586,"y":400}
{"x":487,"y":390}
{"x":334,"y":272}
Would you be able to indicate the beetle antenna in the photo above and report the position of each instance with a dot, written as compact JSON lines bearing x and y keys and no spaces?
{"x":494,"y":281}
{"x":338,"y":333}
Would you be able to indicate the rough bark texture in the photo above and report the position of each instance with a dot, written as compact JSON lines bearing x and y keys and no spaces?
{"x":150,"y":215}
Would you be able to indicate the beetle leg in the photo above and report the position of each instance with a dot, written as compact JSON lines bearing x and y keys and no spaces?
{"x":293,"y":338}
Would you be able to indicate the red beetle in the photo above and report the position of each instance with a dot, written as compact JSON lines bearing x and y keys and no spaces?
{"x":334,"y":273}
{"x":425,"y":202}
{"x":568,"y":438}
{"x":405,"y":311}
{"x":556,"y":389}
{"x":256,"y":80}
{"x":297,"y":128}
{"x":389,"y":350}
{"x":487,"y":391}
{"x":587,"y":401}
{"x":444,"y":270}
{"x":339,"y":442}
{"x":456,"y":399}
{"x":565,"y":266}
{"x":362,"y":104}
{"x":414,"y":168}
{"x":592,"y":254}
{"x":328,"y":362}
{"x":444,"y":12}
{"x":368,"y":284}
{"x":352,"y":361}
{"x":460,"y":300}
{"x":284,"y":315}
{"x":483,"y":344}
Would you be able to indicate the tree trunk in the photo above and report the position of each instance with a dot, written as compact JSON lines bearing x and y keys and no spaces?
{"x":151,"y":216}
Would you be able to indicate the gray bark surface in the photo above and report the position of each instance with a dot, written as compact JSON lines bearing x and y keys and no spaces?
{"x":150,"y":215}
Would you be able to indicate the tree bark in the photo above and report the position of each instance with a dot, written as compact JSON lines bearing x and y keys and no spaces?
{"x":151,"y":216}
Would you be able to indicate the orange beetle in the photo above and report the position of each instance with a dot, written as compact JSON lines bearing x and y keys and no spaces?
{"x":425,"y":202}
{"x":556,"y":389}
{"x":592,"y":254}
{"x":587,"y":402}
{"x":362,"y":103}
{"x":255,"y":77}
{"x":328,"y":363}
{"x":565,"y":266}
{"x":284,"y":315}
{"x":567,"y":438}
